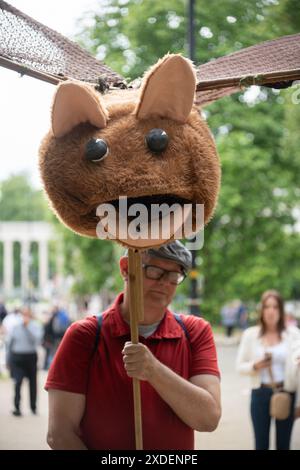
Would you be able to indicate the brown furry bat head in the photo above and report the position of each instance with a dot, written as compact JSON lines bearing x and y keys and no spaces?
{"x":156,"y":149}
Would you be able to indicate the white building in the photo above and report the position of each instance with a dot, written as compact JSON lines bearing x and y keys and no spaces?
{"x":25,"y":233}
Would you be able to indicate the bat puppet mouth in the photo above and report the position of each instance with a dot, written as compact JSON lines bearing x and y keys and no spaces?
{"x":146,"y":221}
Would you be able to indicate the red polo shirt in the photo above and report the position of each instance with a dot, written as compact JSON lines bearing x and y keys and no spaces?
{"x":108,"y":421}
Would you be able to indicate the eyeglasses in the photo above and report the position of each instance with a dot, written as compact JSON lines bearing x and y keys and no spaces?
{"x":156,"y":273}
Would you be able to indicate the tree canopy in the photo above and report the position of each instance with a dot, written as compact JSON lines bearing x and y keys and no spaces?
{"x":252,"y":243}
{"x":19,"y":201}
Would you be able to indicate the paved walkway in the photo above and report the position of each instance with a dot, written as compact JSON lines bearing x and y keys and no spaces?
{"x":234,"y":430}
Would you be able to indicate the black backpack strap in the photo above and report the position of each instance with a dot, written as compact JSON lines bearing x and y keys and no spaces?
{"x":183,"y":326}
{"x":98,"y":331}
{"x":99,"y":324}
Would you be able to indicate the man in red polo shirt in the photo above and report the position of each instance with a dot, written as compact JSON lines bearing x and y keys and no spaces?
{"x":90,"y":393}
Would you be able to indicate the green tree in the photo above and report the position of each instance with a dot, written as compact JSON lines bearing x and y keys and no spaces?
{"x":130,"y":35}
{"x":93,"y":263}
{"x":248,"y":246}
{"x":19,"y":201}
{"x":252,"y":243}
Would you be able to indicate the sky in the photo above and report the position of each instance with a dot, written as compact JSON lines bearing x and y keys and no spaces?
{"x":25,"y":102}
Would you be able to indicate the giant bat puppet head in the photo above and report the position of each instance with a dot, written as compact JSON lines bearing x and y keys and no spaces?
{"x":154,"y":148}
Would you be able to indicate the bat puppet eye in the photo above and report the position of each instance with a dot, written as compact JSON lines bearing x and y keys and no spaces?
{"x":157,"y":140}
{"x":96,"y":150}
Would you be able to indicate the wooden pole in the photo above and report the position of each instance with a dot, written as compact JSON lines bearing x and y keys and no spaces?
{"x":136,"y":303}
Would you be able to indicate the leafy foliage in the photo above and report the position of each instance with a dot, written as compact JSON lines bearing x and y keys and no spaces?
{"x":19,"y":201}
{"x":252,"y":243}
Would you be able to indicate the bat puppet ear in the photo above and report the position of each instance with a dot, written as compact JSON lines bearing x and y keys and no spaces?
{"x":75,"y":103}
{"x":168,"y":89}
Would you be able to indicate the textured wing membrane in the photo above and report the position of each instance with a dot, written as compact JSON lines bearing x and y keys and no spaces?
{"x":271,"y":63}
{"x":31,"y":48}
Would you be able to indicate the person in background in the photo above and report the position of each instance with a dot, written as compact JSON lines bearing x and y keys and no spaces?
{"x":297,"y":406}
{"x":3,"y":311}
{"x":229,"y":317}
{"x":22,"y":343}
{"x":11,"y":320}
{"x":3,"y":314}
{"x":242,"y":316}
{"x":271,"y":345}
{"x":54,"y":331}
{"x":290,"y":319}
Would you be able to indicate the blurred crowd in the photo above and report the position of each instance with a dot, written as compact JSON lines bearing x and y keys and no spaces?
{"x":237,"y":315}
{"x":22,"y":337}
{"x":268,"y":352}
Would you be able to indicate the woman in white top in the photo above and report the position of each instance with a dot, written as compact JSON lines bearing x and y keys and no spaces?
{"x":271,"y":344}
